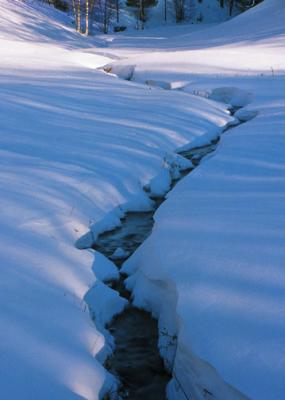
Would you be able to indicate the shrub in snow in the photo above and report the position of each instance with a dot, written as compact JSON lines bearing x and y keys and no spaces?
{"x":60,"y":4}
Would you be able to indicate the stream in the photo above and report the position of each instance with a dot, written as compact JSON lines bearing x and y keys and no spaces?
{"x":136,"y":360}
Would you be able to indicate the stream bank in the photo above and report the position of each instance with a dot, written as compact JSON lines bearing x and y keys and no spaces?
{"x":136,"y":360}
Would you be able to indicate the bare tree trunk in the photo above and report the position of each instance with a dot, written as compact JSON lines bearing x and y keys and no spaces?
{"x":165,"y":10}
{"x":106,"y":16}
{"x":91,"y":13}
{"x":141,"y":14}
{"x":117,"y":10}
{"x":179,"y":9}
{"x":74,"y":9}
{"x":222,"y":3}
{"x":231,"y":6}
{"x":78,"y":16}
{"x":87,"y":6}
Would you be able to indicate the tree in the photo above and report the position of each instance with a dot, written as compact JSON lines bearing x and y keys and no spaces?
{"x":118,"y":10}
{"x":179,"y":10}
{"x":87,"y":16}
{"x":231,"y":6}
{"x":242,"y":5}
{"x":77,"y":14}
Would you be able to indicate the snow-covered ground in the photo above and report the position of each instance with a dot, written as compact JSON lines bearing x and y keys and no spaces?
{"x":75,"y":144}
{"x":213,"y":268}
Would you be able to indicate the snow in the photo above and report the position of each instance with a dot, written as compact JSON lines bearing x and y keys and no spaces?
{"x":213,"y":269}
{"x":119,"y":253}
{"x":231,"y":95}
{"x":112,"y":304}
{"x":160,"y":184}
{"x":225,"y":258}
{"x":245,"y":115}
{"x":104,"y":269}
{"x":77,"y":148}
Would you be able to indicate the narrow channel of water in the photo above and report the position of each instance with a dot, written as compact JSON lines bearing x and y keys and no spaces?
{"x":136,"y":360}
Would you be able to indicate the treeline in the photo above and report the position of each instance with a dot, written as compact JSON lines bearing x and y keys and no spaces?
{"x":86,"y":12}
{"x":100,"y":11}
{"x":242,"y":5}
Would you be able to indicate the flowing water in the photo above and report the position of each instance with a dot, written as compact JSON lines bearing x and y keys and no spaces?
{"x":136,"y":360}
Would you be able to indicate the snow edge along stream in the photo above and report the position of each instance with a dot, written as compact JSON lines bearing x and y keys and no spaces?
{"x":111,"y":221}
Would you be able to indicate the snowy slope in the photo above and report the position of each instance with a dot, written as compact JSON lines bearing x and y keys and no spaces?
{"x":213,"y":268}
{"x":75,"y":144}
{"x":232,"y":48}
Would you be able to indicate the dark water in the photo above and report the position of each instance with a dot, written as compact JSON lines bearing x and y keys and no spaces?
{"x":137,"y":226}
{"x":136,"y":360}
{"x":196,"y":154}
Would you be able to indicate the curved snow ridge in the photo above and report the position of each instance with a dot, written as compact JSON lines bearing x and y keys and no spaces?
{"x":159,"y":185}
{"x":114,"y":304}
{"x":155,"y":291}
{"x":223,"y":249}
{"x":112,"y":220}
{"x":231,"y":95}
{"x":103,"y":302}
{"x":234,"y":97}
{"x":121,"y":69}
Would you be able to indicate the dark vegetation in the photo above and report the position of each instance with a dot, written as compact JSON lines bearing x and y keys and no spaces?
{"x":99,"y":13}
